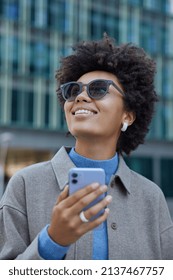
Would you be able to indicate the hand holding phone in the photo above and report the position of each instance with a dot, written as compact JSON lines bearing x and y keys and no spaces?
{"x":66,"y":226}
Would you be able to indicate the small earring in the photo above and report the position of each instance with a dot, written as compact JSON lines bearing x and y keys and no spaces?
{"x":124,"y":127}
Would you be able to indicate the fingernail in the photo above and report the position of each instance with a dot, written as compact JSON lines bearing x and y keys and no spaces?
{"x":107,"y":210}
{"x":103,"y":188}
{"x":66,"y":188}
{"x":94,"y":186}
{"x":109,"y":198}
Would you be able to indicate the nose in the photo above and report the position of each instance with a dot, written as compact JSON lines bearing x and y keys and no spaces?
{"x":83,"y":96}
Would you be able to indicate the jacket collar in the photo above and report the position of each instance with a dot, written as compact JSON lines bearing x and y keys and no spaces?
{"x":61,"y":163}
{"x":124,"y":174}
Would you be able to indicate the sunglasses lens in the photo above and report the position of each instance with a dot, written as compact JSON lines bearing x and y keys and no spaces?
{"x":98,"y":89}
{"x":71,"y":90}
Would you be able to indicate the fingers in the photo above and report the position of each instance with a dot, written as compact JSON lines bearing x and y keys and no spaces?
{"x":75,"y":197}
{"x":99,"y":220}
{"x":85,"y":227}
{"x":92,"y":194}
{"x":93,"y":211}
{"x":89,"y":198}
{"x":63,"y":194}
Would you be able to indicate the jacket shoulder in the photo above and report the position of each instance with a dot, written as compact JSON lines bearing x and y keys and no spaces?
{"x":148,"y":188}
{"x":28,"y":182}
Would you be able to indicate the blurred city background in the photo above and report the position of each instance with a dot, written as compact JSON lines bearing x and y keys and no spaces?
{"x":35,"y":34}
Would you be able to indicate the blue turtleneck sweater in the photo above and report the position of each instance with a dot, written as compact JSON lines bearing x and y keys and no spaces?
{"x":51,"y":250}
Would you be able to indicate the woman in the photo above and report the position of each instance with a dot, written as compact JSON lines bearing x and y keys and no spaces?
{"x":108,"y":96}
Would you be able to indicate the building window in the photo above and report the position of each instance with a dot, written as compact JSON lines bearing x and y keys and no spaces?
{"x":1,"y":48}
{"x":56,"y":15}
{"x":15,"y":106}
{"x":144,"y":166}
{"x":168,"y":6}
{"x":157,"y":130}
{"x":1,"y":104}
{"x":167,"y":117}
{"x":97,"y":18}
{"x":22,"y":108}
{"x":13,"y":44}
{"x":167,"y":100}
{"x":131,"y":22}
{"x":11,"y":9}
{"x":167,"y":176}
{"x":152,"y":4}
{"x":167,"y":38}
{"x":150,"y":33}
{"x":112,"y":26}
{"x":47,"y":109}
{"x":39,"y":58}
{"x":28,"y":104}
{"x":167,"y":69}
{"x":134,"y":2}
{"x":39,"y":13}
{"x":104,"y":21}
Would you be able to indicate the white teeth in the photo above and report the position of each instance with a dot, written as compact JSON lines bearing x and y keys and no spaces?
{"x":82,"y":111}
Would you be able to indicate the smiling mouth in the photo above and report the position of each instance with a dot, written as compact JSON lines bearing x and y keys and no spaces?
{"x":83,"y":112}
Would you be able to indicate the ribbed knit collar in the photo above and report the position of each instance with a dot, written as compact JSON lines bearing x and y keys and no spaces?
{"x":110,"y":166}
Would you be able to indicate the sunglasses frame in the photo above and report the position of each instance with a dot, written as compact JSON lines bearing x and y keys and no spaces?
{"x":81,"y":85}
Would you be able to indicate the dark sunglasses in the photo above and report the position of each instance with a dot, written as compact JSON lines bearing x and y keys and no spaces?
{"x":96,"y":89}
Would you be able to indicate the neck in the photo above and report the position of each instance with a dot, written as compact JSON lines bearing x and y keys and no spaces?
{"x":95,"y":150}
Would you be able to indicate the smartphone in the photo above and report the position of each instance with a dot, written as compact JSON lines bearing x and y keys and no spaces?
{"x":81,"y":177}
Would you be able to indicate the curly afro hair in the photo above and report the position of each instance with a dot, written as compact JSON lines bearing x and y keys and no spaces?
{"x":135,"y":72}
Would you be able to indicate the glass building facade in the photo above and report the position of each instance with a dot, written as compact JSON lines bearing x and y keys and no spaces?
{"x":34,"y":35}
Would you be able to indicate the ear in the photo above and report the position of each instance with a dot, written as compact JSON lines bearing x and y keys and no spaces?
{"x":128,"y":117}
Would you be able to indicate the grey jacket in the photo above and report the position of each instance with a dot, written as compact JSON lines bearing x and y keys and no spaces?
{"x":139,"y":223}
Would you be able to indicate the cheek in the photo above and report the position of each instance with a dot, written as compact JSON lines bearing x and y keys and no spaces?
{"x":112,"y":117}
{"x":68,"y":121}
{"x":66,"y":111}
{"x":113,"y":109}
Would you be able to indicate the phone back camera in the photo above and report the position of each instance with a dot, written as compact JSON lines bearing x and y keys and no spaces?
{"x":74,"y":181}
{"x":74,"y":175}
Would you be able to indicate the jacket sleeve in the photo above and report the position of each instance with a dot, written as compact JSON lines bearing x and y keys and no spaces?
{"x":14,"y":233}
{"x":166,"y":230}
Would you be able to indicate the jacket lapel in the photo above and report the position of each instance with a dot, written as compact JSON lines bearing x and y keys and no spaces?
{"x":61,"y":163}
